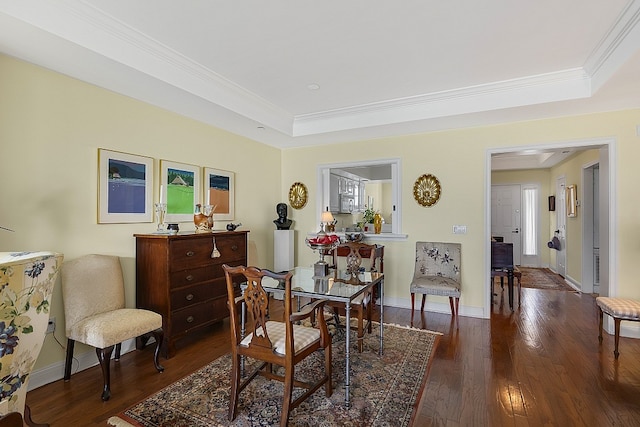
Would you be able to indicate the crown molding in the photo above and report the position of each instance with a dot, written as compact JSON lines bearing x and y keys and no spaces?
{"x":558,"y":86}
{"x":205,"y":93}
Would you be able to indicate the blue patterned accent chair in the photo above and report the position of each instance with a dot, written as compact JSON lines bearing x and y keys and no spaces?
{"x":437,"y":272}
{"x":26,"y":283}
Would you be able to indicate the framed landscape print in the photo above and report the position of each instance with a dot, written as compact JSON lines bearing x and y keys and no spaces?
{"x":180,"y":190}
{"x":125,"y":187}
{"x":219,"y":192}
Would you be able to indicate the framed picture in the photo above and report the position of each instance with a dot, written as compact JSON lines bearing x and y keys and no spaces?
{"x":125,"y":187}
{"x":179,"y":189}
{"x":219,"y":192}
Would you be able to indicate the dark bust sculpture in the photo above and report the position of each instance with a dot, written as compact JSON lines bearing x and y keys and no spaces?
{"x":282,"y":223}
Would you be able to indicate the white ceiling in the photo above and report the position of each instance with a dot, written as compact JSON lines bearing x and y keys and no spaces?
{"x":383,"y":68}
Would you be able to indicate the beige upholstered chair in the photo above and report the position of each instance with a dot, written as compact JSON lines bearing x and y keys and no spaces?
{"x":95,"y":313}
{"x":284,"y":343}
{"x":26,"y":282}
{"x":437,"y":272}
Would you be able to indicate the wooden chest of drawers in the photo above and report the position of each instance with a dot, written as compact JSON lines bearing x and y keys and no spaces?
{"x":179,"y":277}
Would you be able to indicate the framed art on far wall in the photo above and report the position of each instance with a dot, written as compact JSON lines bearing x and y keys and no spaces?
{"x":179,"y":189}
{"x":219,"y":192}
{"x":125,"y":187}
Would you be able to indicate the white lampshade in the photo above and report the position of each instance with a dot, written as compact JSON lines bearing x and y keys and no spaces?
{"x":326,"y":217}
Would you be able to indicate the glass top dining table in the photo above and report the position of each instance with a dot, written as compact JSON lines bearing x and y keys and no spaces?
{"x":338,"y":285}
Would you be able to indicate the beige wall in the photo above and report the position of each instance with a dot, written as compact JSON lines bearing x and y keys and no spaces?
{"x":572,"y":171}
{"x":50,"y":131}
{"x":458,"y":159}
{"x":51,"y":127}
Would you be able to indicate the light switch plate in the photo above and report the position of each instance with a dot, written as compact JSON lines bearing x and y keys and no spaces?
{"x":459,"y":229}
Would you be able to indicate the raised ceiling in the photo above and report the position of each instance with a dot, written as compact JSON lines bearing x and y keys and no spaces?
{"x":304,"y":73}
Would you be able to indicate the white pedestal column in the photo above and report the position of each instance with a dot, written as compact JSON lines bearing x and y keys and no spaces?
{"x":283,"y":248}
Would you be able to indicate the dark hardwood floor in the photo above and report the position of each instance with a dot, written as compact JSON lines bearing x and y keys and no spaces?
{"x":538,"y":366}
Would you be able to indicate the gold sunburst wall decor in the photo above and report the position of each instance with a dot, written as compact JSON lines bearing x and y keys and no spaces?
{"x":426,"y":190}
{"x":298,"y":195}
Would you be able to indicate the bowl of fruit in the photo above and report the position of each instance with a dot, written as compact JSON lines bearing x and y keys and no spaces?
{"x":324,"y":242}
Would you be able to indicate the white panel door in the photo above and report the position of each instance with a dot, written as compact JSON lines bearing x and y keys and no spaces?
{"x":506,"y":209}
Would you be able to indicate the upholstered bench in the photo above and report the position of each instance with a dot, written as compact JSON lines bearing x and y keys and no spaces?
{"x":619,"y":309}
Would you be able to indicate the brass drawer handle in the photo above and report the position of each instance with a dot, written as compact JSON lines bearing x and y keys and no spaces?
{"x":189,"y":278}
{"x":190,"y":253}
{"x":234,"y":247}
{"x":190,"y":319}
{"x":189,"y":297}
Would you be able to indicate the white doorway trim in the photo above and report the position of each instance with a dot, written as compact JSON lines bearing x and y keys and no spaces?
{"x":609,"y":200}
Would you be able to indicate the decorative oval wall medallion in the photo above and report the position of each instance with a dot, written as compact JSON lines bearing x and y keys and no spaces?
{"x":426,"y":190}
{"x":298,"y":195}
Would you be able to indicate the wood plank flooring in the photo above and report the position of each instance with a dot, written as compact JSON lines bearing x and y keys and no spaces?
{"x":540,"y":365}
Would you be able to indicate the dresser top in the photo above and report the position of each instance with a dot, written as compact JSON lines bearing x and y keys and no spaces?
{"x":189,"y":234}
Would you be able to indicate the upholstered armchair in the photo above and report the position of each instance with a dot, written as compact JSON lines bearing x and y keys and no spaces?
{"x":26,"y":283}
{"x":437,"y":272}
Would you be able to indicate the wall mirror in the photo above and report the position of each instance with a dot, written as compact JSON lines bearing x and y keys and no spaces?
{"x":572,"y":201}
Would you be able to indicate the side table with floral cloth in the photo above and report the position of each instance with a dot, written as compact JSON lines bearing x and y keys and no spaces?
{"x":26,"y":283}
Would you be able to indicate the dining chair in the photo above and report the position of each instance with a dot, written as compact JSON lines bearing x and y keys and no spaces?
{"x":95,"y":313}
{"x":363,"y":303}
{"x":437,"y":271}
{"x":284,"y":343}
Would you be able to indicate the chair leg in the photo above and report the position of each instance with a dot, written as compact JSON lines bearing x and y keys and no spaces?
{"x":616,"y":322}
{"x":116,"y":356}
{"x":288,"y":390}
{"x":235,"y":387}
{"x":328,"y":387}
{"x":360,"y":327}
{"x":424,"y":298}
{"x":158,"y":335}
{"x":370,"y":312}
{"x":69,"y":359}
{"x":104,"y":356}
{"x":601,"y":318}
{"x":27,"y":418}
{"x":413,"y":302}
{"x":457,"y":313}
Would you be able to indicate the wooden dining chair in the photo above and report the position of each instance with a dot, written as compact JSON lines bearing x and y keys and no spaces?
{"x":284,"y":343}
{"x":363,"y":304}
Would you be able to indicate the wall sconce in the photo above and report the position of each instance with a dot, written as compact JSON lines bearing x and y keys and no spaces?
{"x":572,"y":201}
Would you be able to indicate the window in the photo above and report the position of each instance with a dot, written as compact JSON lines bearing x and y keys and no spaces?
{"x":530,"y":221}
{"x":383,"y":170}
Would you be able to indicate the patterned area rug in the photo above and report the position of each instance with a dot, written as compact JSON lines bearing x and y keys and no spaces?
{"x":384,"y":390}
{"x":543,"y":278}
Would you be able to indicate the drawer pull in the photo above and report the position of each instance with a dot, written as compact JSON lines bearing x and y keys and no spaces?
{"x":234,"y":247}
{"x":189,"y":278}
{"x":190,"y":253}
{"x":190,"y":319}
{"x":189,"y":297}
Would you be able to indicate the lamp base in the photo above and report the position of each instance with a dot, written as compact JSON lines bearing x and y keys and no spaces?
{"x":321,"y":269}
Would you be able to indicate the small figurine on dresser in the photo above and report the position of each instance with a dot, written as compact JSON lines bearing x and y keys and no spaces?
{"x":203,"y":218}
{"x":282,"y":223}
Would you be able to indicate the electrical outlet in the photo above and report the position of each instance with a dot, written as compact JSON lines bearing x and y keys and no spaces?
{"x":459,"y":229}
{"x":51,"y":326}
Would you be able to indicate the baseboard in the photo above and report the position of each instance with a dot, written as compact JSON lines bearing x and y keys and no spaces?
{"x":573,"y":283}
{"x":628,"y":329}
{"x":85,"y":360}
{"x":433,"y":306}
